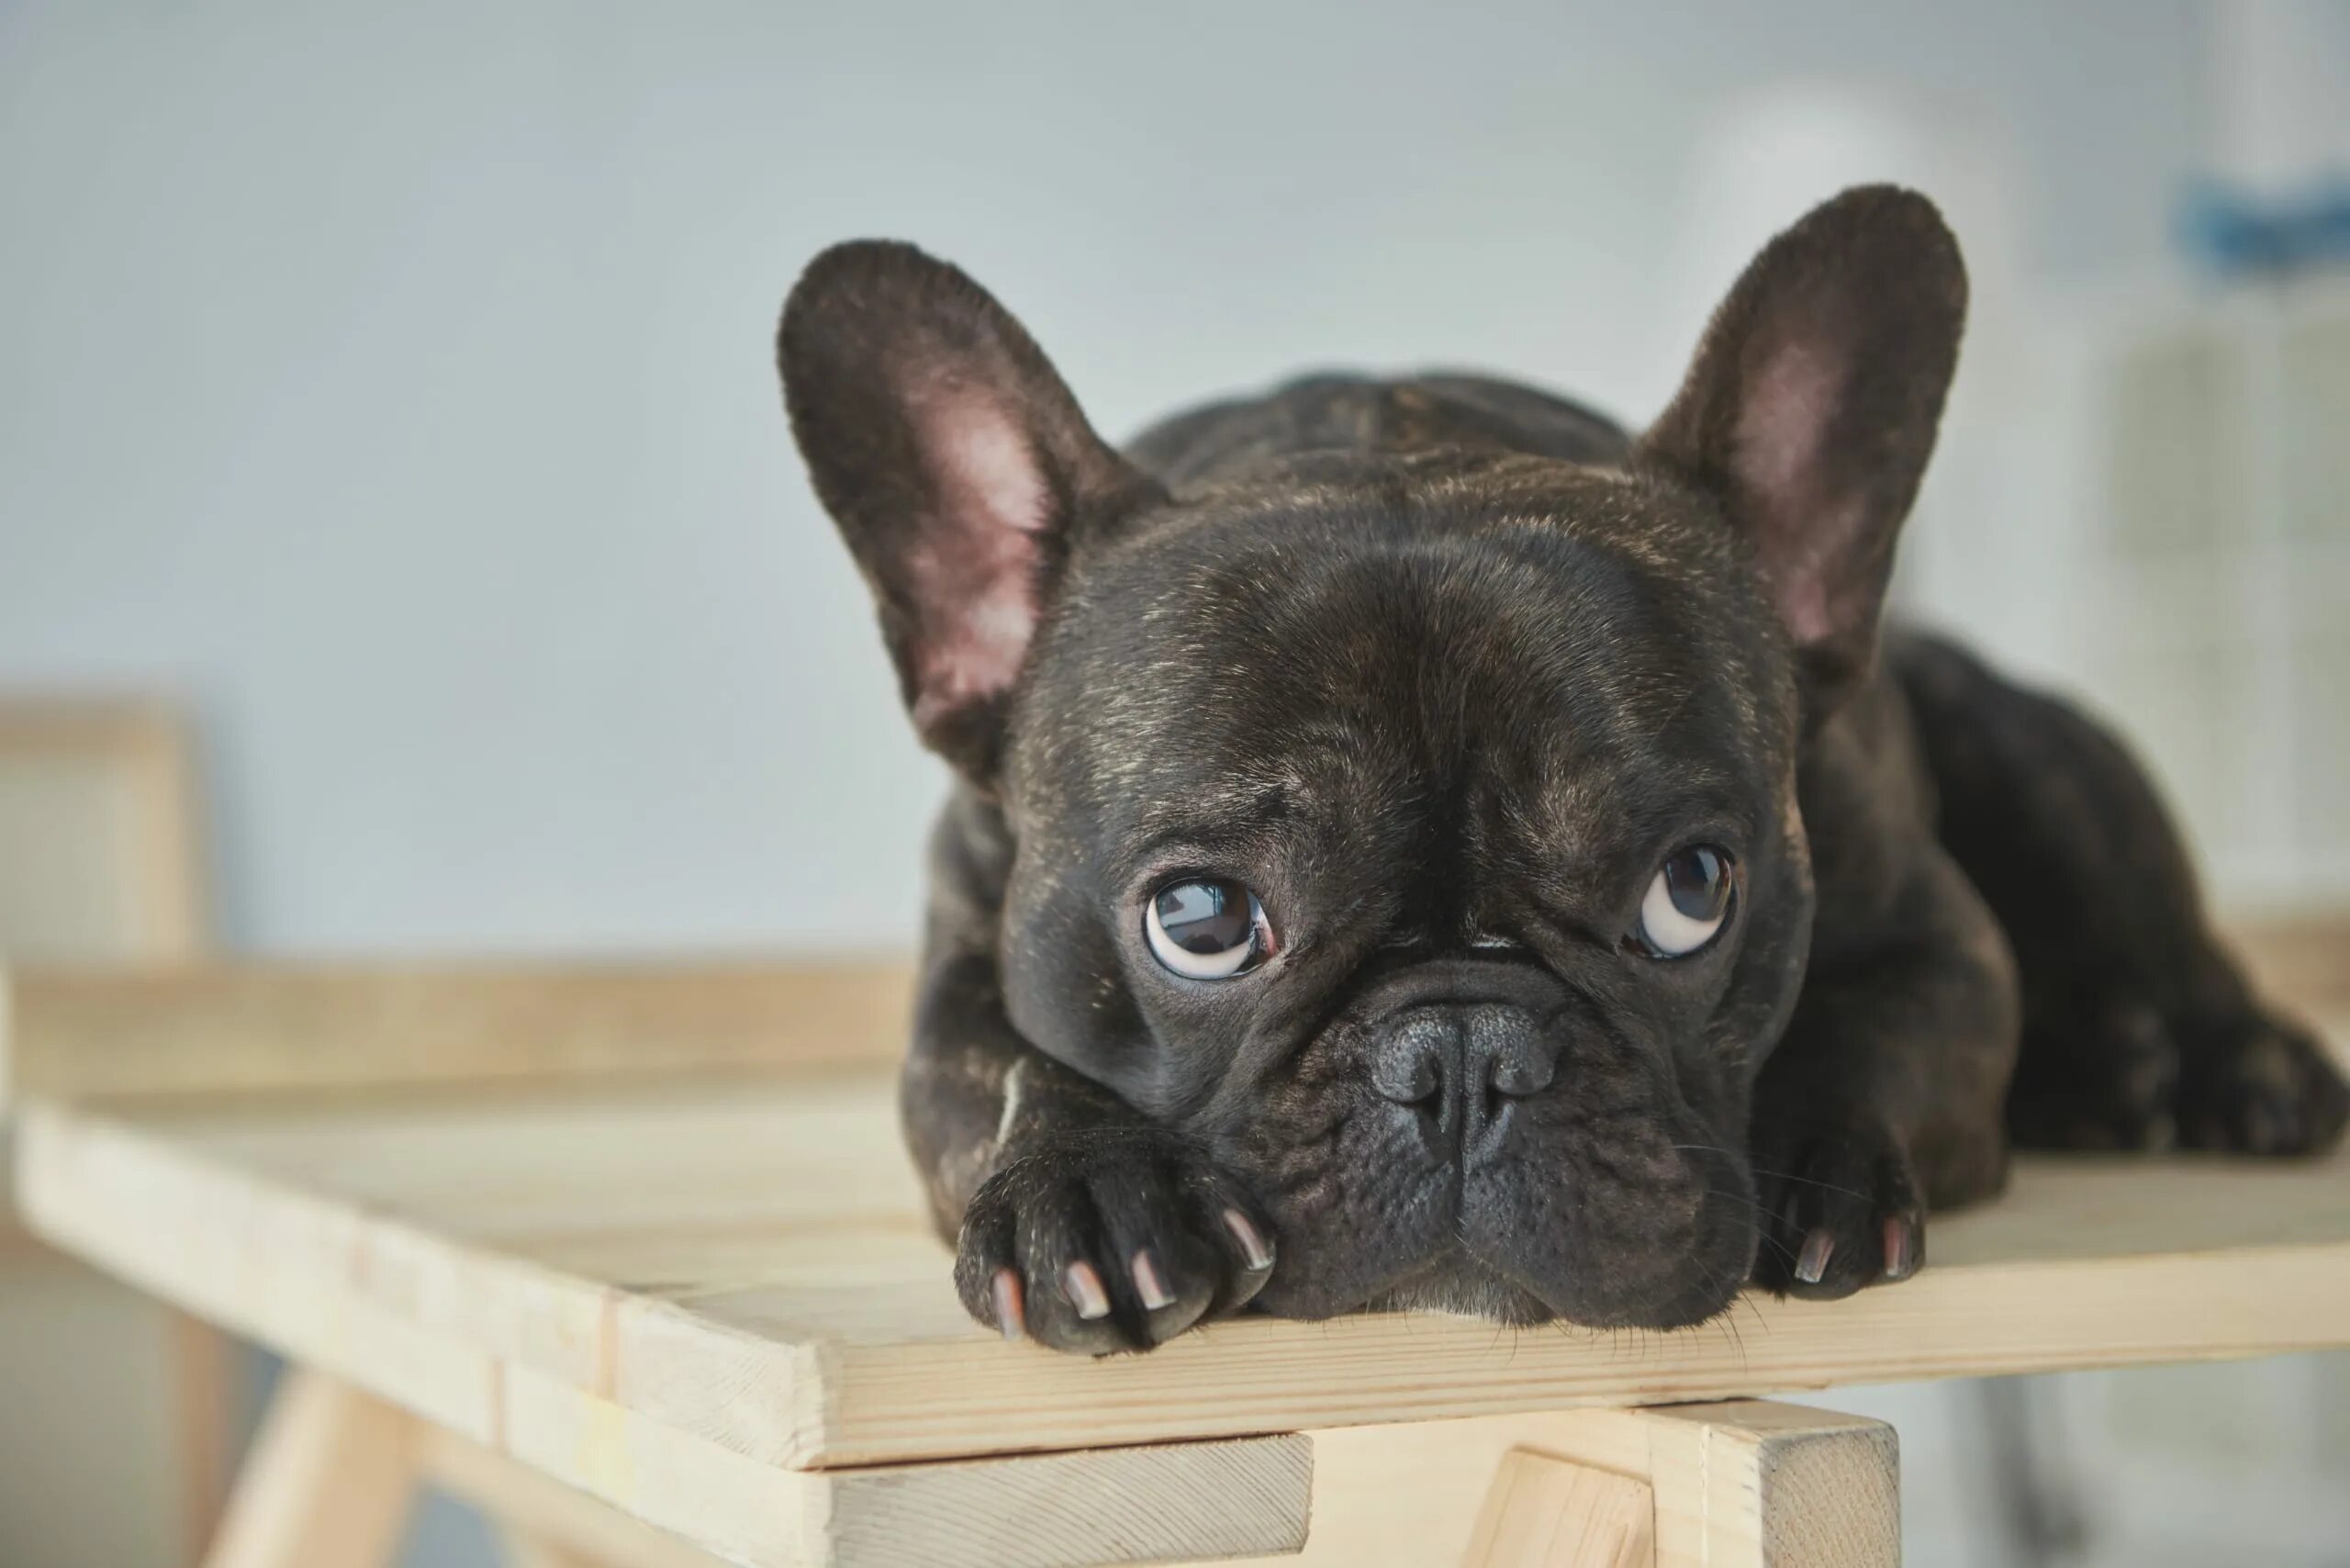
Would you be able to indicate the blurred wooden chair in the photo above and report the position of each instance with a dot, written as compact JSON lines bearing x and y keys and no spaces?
{"x":120,"y":1411}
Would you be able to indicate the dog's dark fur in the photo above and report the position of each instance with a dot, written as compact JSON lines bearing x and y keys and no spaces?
{"x":1444,"y":669}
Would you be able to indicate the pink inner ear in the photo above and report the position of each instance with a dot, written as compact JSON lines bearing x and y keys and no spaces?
{"x":1801,"y":524}
{"x":975,"y":575}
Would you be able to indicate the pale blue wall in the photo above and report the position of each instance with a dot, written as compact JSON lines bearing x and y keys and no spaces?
{"x":395,"y":386}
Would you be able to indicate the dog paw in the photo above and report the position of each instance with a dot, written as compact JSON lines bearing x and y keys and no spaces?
{"x":2105,"y":1082}
{"x":1837,"y":1208}
{"x":1105,"y":1241}
{"x":2257,"y":1086}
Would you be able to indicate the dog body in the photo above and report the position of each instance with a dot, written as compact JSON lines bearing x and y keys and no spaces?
{"x":1418,"y":844}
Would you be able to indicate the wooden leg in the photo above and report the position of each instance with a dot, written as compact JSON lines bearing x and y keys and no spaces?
{"x":328,"y":1483}
{"x":1731,"y":1485}
{"x":1743,"y":1485}
{"x":1749,"y":1482}
{"x":1551,"y":1512}
{"x":203,"y":1366}
{"x":2031,"y":1468}
{"x":545,"y":1523}
{"x":523,"y":1549}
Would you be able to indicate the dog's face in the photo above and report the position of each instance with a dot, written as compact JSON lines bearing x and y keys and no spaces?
{"x":1425,"y":848}
{"x":1416,"y":832}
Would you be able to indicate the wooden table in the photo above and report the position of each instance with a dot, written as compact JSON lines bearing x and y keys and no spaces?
{"x":653,"y":1284}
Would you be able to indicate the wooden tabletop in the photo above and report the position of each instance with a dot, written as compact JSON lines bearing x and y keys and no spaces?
{"x":711,"y":1299}
{"x":745,"y":1262}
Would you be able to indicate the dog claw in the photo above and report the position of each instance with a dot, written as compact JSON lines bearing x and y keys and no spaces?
{"x":1005,"y":1289}
{"x":1842,"y":1212}
{"x":1252,"y":1245}
{"x":1900,"y":1249}
{"x":1083,"y":1288}
{"x":1105,"y":1243}
{"x":1148,"y":1284}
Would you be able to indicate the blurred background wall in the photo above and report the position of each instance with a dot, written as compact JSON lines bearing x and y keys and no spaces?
{"x":393,"y":383}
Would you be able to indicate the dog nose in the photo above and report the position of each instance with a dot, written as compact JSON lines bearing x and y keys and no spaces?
{"x":1419,"y":1053}
{"x":1457,"y":1066}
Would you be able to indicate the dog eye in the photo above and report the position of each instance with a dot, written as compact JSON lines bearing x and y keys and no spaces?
{"x":1207,"y":928}
{"x":1687,"y":903}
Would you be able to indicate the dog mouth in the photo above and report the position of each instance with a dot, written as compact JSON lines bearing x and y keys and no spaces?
{"x":1474,"y":1145}
{"x":1505,"y":1248}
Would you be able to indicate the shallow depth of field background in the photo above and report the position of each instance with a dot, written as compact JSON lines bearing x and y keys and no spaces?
{"x":392,"y":388}
{"x":394,"y":385}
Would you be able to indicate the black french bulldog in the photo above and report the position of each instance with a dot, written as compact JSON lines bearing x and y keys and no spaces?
{"x":1418,"y":845}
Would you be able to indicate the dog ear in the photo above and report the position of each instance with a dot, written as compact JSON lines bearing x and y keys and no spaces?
{"x":1810,"y":411}
{"x":957,"y":466}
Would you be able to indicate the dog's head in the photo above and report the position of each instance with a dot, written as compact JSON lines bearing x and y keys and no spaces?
{"x":1419,"y":832}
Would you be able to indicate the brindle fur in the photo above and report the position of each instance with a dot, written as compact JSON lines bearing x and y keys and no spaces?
{"x":1445,"y":661}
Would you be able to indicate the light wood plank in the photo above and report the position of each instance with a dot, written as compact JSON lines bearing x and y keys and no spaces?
{"x":1551,"y":1512}
{"x":746,"y":1263}
{"x":543,"y":1523}
{"x":76,"y":1033}
{"x":1748,"y":1484}
{"x":97,"y":826}
{"x":102,"y":860}
{"x":72,"y":1033}
{"x":203,"y":1399}
{"x":522,"y":1551}
{"x":1218,"y":1498}
{"x":328,"y":1484}
{"x":2302,"y":960}
{"x":1726,"y":1479}
{"x":1211,"y":1499}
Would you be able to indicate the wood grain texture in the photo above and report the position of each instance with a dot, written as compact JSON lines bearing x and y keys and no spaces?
{"x":542,"y":1522}
{"x":1212,"y":1499}
{"x":1407,"y":1495}
{"x":391,"y":1318}
{"x":1552,"y":1513}
{"x":1751,"y":1484}
{"x":746,"y":1263}
{"x":76,"y":1033}
{"x":1729,"y":1480}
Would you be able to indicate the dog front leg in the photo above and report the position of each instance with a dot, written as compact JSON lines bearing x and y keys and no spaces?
{"x":1884,"y":1098}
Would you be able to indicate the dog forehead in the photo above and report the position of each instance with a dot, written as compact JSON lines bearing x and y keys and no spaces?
{"x":1333,"y":652}
{"x":1484,"y":586}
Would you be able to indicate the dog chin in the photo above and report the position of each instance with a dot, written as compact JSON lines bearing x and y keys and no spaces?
{"x":1467,"y":1287}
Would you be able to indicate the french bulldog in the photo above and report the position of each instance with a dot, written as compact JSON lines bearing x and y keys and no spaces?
{"x":1416,"y":845}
